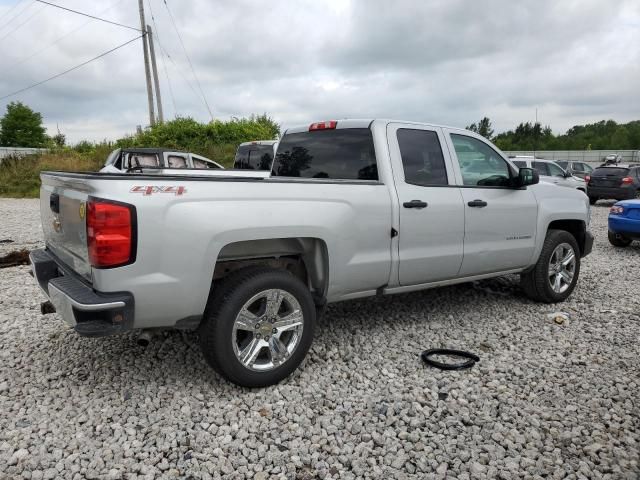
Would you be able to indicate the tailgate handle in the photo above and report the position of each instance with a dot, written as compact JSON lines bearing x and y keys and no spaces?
{"x":54,"y":203}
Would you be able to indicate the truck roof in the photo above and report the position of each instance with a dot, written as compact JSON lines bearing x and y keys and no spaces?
{"x":365,"y":123}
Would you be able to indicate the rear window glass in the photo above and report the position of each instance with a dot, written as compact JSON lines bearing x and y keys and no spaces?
{"x":345,"y":154}
{"x":254,"y":157}
{"x":422,"y":157}
{"x":603,"y":172}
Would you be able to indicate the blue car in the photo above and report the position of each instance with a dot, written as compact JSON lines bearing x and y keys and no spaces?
{"x":624,"y":223}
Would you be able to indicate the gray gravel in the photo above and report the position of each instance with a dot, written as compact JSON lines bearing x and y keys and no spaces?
{"x":547,"y":400}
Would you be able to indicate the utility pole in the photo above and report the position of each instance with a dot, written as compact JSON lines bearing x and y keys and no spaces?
{"x":145,"y":48}
{"x":156,"y":82}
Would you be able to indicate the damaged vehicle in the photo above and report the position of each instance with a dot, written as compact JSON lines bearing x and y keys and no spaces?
{"x":133,"y":159}
{"x":351,"y":209}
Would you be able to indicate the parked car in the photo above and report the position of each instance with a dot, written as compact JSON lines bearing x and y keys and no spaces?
{"x":577,"y":169}
{"x":255,"y":155}
{"x":134,"y":159}
{"x":620,"y":182}
{"x":612,"y":159}
{"x":551,"y":172}
{"x":624,"y":223}
{"x":352,"y":209}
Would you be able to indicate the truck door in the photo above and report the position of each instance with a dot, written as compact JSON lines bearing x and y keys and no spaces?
{"x":431,"y":209}
{"x":500,"y":221}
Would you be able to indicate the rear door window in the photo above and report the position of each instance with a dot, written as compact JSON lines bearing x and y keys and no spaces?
{"x":422,"y":157}
{"x":345,"y":154}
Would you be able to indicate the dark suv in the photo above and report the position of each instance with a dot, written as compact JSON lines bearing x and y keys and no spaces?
{"x":619,"y":182}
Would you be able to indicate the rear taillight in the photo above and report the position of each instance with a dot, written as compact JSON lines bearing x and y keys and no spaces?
{"x":328,"y":125}
{"x":587,"y":178}
{"x":110,"y":233}
{"x":616,"y":210}
{"x":627,"y":181}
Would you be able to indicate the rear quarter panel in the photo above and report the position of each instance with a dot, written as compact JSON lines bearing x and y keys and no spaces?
{"x":180,"y":236}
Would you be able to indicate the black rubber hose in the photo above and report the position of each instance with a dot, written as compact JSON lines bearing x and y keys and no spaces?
{"x":471,"y":359}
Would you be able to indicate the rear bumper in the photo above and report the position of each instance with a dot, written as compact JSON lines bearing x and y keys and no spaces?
{"x":617,"y":193}
{"x":626,"y":226}
{"x":90,"y":313}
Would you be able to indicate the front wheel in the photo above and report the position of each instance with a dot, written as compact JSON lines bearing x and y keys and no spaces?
{"x":258,"y":326}
{"x":618,"y":240}
{"x":555,"y":275}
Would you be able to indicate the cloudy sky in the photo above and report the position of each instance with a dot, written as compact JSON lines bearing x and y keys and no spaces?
{"x":305,"y":60}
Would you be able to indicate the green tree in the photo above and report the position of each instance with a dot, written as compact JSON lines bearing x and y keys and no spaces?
{"x":21,"y":127}
{"x":483,"y":127}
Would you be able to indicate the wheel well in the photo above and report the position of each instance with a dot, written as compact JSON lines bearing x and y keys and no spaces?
{"x":304,"y":257}
{"x":577,"y":228}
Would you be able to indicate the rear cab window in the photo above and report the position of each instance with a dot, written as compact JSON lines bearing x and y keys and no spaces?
{"x":254,"y":157}
{"x":342,"y":154}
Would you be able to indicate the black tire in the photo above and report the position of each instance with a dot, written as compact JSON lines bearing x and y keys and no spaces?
{"x":618,"y":240}
{"x":535,"y":282}
{"x":225,"y":302}
{"x":593,"y":200}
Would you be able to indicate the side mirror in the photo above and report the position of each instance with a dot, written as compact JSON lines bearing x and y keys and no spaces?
{"x":527,"y":176}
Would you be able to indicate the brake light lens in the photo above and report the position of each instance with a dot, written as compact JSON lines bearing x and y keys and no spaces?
{"x":328,"y":125}
{"x":110,"y":233}
{"x":627,"y":181}
{"x":616,"y":210}
{"x":587,"y":178}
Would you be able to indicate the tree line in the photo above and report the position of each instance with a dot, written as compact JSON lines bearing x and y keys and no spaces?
{"x":602,"y":135}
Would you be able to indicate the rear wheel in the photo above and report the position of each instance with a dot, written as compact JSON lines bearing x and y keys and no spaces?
{"x":556,"y":273}
{"x":593,"y":200}
{"x":258,"y":326}
{"x":618,"y":240}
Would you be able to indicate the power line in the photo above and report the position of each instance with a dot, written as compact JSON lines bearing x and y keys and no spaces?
{"x":90,"y":16}
{"x":60,"y":38}
{"x":173,"y":22}
{"x":18,"y":13}
{"x":164,"y":65}
{"x":37,"y":12}
{"x":72,"y":69}
{"x":10,"y":10}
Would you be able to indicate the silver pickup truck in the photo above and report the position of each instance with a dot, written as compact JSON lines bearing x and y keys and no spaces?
{"x":351,"y":209}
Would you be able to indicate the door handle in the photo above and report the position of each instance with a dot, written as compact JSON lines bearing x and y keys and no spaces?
{"x":477,"y":203}
{"x":414,"y":204}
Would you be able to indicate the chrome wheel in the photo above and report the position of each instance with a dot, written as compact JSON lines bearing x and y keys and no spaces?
{"x":267,"y":330}
{"x":562,"y":267}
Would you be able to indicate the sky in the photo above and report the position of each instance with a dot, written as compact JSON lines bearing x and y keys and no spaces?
{"x":453,"y":62}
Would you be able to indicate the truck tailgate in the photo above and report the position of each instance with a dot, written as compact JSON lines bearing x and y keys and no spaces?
{"x":63,"y":215}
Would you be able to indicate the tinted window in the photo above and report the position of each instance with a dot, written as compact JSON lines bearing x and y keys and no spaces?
{"x":342,"y":154}
{"x":555,"y":170}
{"x":520,"y":163}
{"x":479,"y":163}
{"x":254,"y":157}
{"x":422,"y":157}
{"x":610,"y":171}
{"x":541,"y":168}
{"x":565,"y":165}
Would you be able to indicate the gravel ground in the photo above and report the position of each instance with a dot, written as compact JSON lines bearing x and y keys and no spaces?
{"x":545,"y":401}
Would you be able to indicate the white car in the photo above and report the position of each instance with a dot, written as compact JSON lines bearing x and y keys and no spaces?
{"x":551,"y":172}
